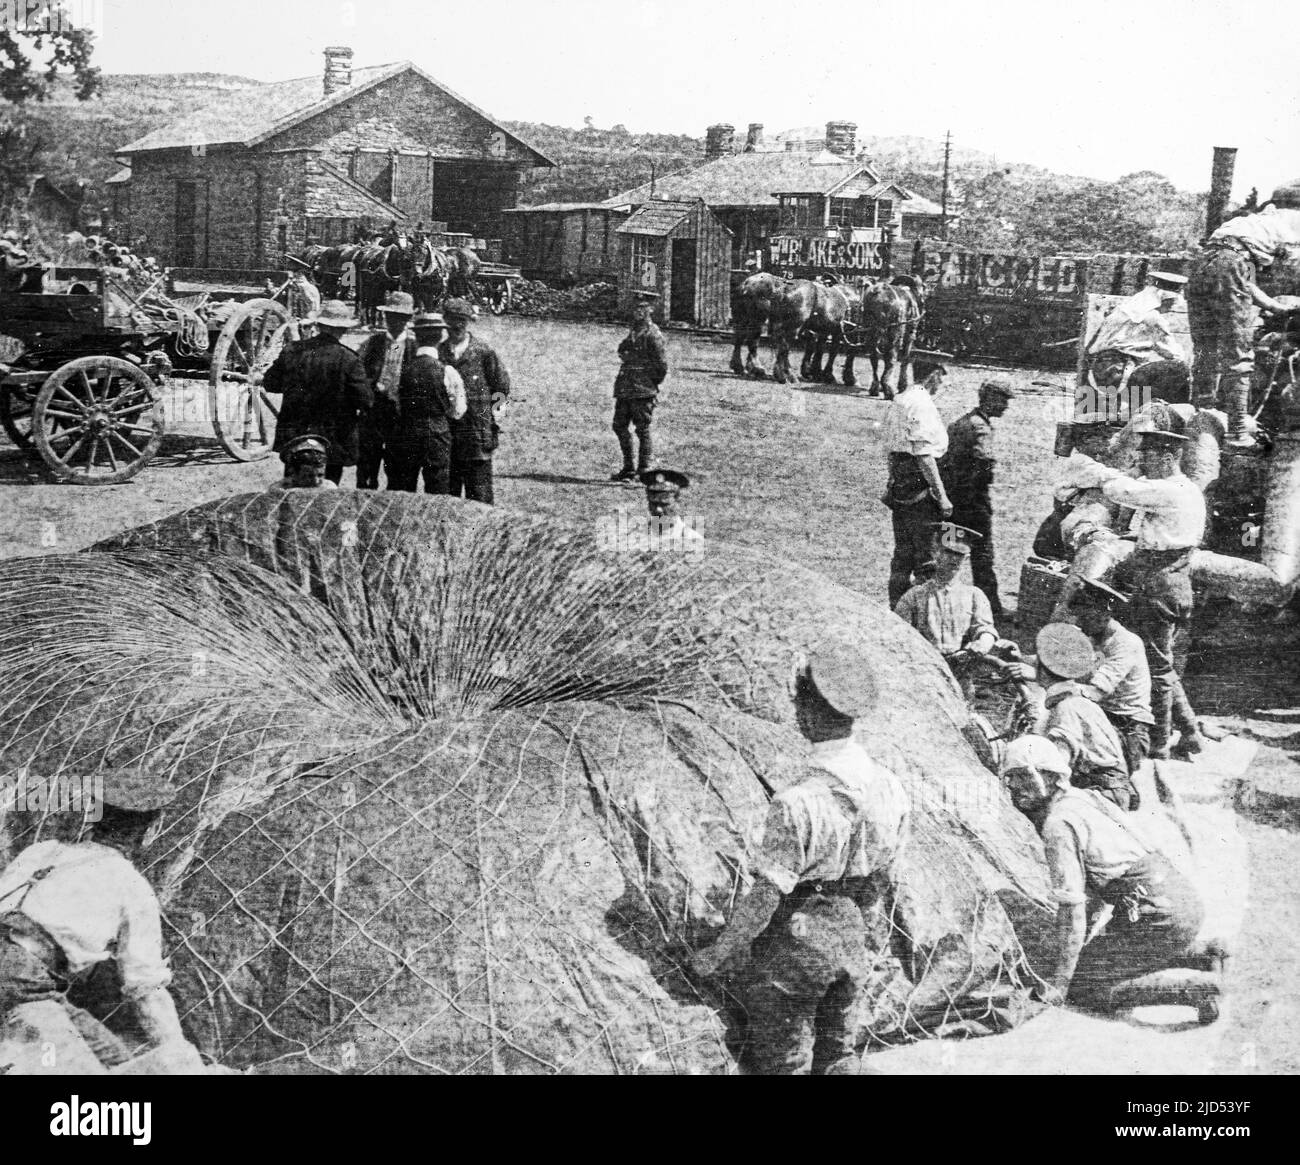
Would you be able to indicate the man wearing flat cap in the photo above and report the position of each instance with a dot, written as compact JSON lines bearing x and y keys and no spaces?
{"x":385,"y":354}
{"x":474,"y":437}
{"x":325,"y":388}
{"x":1222,"y":295}
{"x":823,"y":870}
{"x":967,"y":471}
{"x":915,"y":439}
{"x":1074,"y":723}
{"x":1170,"y":524}
{"x":644,"y":364}
{"x":67,"y":907}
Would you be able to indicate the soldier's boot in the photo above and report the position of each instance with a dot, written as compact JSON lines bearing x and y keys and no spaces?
{"x":1162,"y":711}
{"x":1174,"y":987}
{"x":645,"y":453}
{"x":1234,"y":391}
{"x":627,"y":473}
{"x":1190,"y":740}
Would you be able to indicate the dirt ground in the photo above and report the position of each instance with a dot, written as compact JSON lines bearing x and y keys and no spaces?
{"x":797,"y":472}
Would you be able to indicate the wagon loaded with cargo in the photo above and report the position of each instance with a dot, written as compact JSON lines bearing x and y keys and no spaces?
{"x":83,"y":370}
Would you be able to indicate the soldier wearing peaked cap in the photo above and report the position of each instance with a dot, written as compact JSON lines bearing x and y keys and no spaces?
{"x":665,"y":527}
{"x":824,"y":875}
{"x":305,"y":459}
{"x":1170,"y":524}
{"x":967,"y":471}
{"x":643,"y":367}
{"x":67,"y":907}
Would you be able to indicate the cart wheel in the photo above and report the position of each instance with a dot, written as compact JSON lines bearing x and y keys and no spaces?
{"x":16,"y":413}
{"x":499,"y":297}
{"x":242,"y":415}
{"x":97,"y":420}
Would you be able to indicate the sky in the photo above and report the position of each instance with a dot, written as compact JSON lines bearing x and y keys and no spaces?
{"x":1099,"y":88}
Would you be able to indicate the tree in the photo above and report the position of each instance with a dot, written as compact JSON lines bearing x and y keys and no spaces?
{"x":23,"y":78}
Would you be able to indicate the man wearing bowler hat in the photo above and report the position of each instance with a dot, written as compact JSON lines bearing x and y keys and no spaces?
{"x":824,"y":875}
{"x":474,"y":436}
{"x":636,"y":387}
{"x":325,"y":388}
{"x":385,"y":355}
{"x":1170,"y":524}
{"x":967,"y":471}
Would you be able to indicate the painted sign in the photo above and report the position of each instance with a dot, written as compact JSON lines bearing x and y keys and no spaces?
{"x":791,"y":252}
{"x":999,"y":275}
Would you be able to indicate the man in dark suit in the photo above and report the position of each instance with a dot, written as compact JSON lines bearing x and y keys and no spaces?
{"x":431,"y":398}
{"x":385,"y":355}
{"x":487,"y":385}
{"x":325,"y":388}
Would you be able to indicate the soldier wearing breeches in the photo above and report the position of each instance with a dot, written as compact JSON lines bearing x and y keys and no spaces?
{"x":636,"y":389}
{"x":824,"y":865}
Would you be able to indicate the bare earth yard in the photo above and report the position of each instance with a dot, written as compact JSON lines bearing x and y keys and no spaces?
{"x":797,"y":473}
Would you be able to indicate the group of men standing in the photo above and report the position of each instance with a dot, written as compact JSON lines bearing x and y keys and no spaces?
{"x":419,"y":400}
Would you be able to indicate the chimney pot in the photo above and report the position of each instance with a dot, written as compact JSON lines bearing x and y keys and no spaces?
{"x":754,"y":136}
{"x":841,"y":137}
{"x":719,"y":141}
{"x":338,"y":68}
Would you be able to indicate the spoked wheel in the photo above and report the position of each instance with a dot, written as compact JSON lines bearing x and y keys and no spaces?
{"x":97,"y":420}
{"x":243,"y":417}
{"x":499,"y":296}
{"x":16,"y":402}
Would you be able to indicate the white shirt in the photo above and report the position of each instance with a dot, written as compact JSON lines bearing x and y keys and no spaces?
{"x":95,"y":904}
{"x":1170,"y":510}
{"x":1123,"y":678}
{"x":1138,"y":328}
{"x":848,"y":821}
{"x":458,"y":349}
{"x":1086,"y":846}
{"x":913,"y":425}
{"x":451,"y":380}
{"x":947,"y":614}
{"x":1263,"y":234}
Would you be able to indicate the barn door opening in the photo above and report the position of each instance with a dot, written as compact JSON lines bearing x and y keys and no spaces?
{"x":187,"y":207}
{"x":681,"y":299}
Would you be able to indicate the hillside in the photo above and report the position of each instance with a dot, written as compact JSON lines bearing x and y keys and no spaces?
{"x":1001,"y":203}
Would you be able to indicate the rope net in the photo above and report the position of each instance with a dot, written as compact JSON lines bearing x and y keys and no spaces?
{"x":461,"y":790}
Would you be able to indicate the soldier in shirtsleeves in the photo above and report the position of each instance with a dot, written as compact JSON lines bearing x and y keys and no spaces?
{"x":1170,"y":523}
{"x":967,"y":471}
{"x":915,"y":439}
{"x":66,"y":907}
{"x":1076,"y":724}
{"x":636,"y":387}
{"x":825,"y":862}
{"x":1097,"y":856}
{"x":384,"y":355}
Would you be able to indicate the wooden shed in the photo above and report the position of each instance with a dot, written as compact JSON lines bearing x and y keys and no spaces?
{"x":563,"y":242}
{"x":681,"y":251}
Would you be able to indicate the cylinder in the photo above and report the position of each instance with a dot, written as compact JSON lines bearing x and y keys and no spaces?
{"x":1225,"y":161}
{"x":719,"y":140}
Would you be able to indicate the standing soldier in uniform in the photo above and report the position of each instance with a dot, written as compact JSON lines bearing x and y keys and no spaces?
{"x":915,"y":439}
{"x":384,"y":355}
{"x":1170,"y":525}
{"x":1221,"y":298}
{"x":325,"y":389}
{"x":487,"y":385}
{"x":636,"y":387}
{"x":65,"y":908}
{"x":825,"y":862}
{"x":967,"y":470}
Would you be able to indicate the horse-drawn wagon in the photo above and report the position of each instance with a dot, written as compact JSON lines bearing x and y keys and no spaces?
{"x":82,"y":371}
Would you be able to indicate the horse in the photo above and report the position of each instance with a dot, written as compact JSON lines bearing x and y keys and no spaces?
{"x":751,"y":309}
{"x":384,"y":266}
{"x":439,"y":273}
{"x":817,"y":312}
{"x":891,"y":314}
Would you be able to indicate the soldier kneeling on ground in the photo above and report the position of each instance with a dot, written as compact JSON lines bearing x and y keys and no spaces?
{"x":65,"y":908}
{"x":1097,"y":857}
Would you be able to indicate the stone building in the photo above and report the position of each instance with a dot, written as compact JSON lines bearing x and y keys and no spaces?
{"x":259,"y":172}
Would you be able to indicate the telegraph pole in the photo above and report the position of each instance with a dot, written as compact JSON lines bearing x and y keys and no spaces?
{"x":947,"y":154}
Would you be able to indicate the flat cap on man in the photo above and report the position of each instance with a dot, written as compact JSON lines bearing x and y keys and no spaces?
{"x":1066,"y":651}
{"x":998,"y":384}
{"x":459,"y":309}
{"x":843,"y":679}
{"x":663,"y":480}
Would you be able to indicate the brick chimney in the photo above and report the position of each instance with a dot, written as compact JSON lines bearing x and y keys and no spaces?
{"x":719,"y":141}
{"x":338,"y":68}
{"x":841,"y":137}
{"x":753,"y":136}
